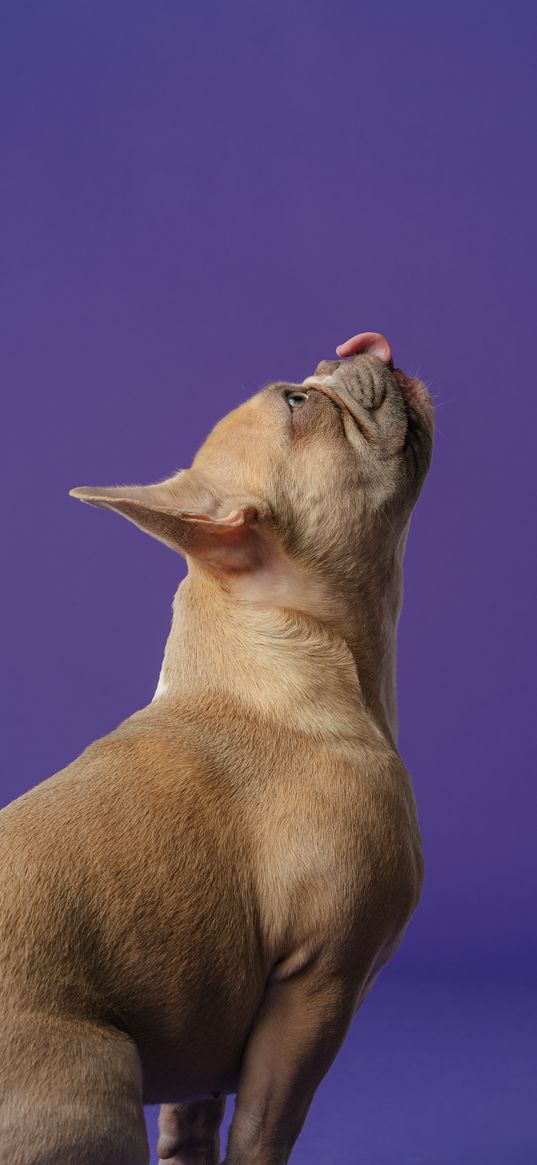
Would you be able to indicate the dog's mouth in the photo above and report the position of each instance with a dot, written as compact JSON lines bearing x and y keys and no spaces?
{"x":414,"y":393}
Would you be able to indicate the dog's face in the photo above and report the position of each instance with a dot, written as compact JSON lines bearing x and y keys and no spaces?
{"x":340,"y":459}
{"x":327,"y":471}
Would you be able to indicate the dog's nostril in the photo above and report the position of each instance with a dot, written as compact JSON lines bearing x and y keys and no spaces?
{"x":327,"y":367}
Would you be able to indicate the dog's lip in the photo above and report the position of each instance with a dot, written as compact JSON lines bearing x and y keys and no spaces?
{"x":417,"y":399}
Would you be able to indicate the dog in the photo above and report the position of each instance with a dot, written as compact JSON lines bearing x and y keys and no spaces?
{"x":199,"y":903}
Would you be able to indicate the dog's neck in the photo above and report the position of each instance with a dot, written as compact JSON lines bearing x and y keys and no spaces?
{"x":316,"y":668}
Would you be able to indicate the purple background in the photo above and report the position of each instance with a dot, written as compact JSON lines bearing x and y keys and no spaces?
{"x":198,"y":198}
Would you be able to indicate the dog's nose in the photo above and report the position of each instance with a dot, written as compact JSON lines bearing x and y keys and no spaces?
{"x":327,"y":367}
{"x":372,"y":343}
{"x":353,"y":378}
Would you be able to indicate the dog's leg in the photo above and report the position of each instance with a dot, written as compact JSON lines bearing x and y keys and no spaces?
{"x":297,"y":1034}
{"x":70,"y":1093}
{"x":190,"y":1133}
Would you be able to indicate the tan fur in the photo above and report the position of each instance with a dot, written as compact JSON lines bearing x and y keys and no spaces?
{"x":200,"y":901}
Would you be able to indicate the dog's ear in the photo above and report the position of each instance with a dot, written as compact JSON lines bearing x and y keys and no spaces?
{"x":226,"y":532}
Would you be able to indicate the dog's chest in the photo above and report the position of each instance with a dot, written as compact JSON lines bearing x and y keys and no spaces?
{"x":311,"y":817}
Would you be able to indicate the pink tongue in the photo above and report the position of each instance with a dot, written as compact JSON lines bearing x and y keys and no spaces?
{"x":372,"y":342}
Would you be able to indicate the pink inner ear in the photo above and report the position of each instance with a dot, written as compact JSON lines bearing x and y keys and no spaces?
{"x":235,"y":518}
{"x":241,"y":516}
{"x":372,"y":342}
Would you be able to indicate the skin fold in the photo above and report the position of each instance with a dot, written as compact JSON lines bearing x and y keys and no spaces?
{"x":199,"y":903}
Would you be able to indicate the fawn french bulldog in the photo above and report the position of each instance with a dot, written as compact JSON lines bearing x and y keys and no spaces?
{"x":198,"y":904}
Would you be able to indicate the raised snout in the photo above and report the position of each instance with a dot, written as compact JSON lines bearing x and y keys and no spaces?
{"x":362,"y":374}
{"x":364,"y":380}
{"x":355,"y":379}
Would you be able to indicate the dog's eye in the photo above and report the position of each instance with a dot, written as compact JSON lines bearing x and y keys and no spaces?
{"x":296,"y":399}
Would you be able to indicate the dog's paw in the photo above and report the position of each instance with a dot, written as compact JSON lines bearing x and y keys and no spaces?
{"x":189,"y":1133}
{"x":172,"y":1152}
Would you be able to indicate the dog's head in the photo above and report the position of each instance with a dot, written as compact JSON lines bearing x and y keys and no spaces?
{"x":322,"y":475}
